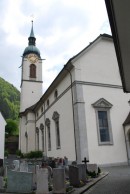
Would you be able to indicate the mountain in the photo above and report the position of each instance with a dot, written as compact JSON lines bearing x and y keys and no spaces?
{"x":9,"y":100}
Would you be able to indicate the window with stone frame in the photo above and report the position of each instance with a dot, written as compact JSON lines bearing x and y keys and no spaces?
{"x":47,"y":122}
{"x":37,"y":138}
{"x":104,"y":129}
{"x":55,"y":117}
{"x":42,"y":135}
{"x":32,"y":71}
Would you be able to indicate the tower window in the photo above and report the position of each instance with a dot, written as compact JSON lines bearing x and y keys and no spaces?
{"x":32,"y":71}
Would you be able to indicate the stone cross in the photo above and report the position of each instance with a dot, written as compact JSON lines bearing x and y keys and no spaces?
{"x":85,"y":161}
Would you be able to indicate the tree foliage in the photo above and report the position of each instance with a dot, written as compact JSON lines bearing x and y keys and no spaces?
{"x":9,"y":100}
{"x":11,"y":128}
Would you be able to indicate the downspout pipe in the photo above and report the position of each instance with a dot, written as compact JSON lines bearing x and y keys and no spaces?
{"x":126,"y":145}
{"x":72,"y":97}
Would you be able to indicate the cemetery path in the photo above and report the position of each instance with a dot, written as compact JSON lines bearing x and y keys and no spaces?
{"x":117,"y":182}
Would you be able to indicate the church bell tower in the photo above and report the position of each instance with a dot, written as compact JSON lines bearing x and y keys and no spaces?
{"x":31,"y":76}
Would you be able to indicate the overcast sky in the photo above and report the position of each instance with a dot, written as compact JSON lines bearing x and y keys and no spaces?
{"x":62,"y":29}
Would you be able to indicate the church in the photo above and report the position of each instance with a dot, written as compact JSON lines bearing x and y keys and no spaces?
{"x":83,"y":113}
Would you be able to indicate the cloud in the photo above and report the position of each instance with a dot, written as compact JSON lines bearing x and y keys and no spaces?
{"x":62,"y":28}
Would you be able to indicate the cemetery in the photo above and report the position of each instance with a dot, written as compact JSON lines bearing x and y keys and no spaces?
{"x":46,"y":175}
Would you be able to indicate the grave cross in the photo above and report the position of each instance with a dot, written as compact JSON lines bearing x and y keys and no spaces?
{"x":85,"y":161}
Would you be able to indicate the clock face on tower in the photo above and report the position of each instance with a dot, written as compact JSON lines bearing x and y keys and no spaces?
{"x":33,"y":58}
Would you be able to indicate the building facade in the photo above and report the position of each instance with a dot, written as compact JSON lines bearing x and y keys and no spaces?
{"x":2,"y":136}
{"x":82,"y":112}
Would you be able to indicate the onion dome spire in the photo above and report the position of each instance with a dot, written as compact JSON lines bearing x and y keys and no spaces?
{"x":32,"y":38}
{"x":31,"y":48}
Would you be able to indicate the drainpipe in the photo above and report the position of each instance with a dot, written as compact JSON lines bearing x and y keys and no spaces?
{"x":72,"y":97}
{"x":126,"y":145}
{"x":45,"y":131}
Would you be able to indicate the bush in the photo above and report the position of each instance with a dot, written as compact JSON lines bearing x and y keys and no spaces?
{"x":19,"y":153}
{"x":34,"y":154}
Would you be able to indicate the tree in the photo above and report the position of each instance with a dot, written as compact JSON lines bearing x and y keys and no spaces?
{"x":11,"y":128}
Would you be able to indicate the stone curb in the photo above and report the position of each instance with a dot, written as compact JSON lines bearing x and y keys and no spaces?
{"x":90,"y":184}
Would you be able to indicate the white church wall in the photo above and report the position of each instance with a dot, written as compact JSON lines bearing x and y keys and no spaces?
{"x":97,"y":63}
{"x":96,"y":69}
{"x":30,"y":95}
{"x":22,"y":138}
{"x":63,"y":106}
{"x":31,"y":132}
{"x":106,"y":154}
{"x":2,"y":136}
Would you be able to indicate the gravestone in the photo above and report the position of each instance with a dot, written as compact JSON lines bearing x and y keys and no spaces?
{"x":66,"y":172}
{"x":23,"y":166}
{"x":19,"y":182}
{"x":82,"y":171}
{"x":49,"y":172}
{"x":1,"y":171}
{"x":1,"y":182}
{"x":92,"y":168}
{"x":1,"y":162}
{"x":59,"y":181}
{"x":16,"y":164}
{"x":74,"y":175}
{"x":32,"y":168}
{"x":42,"y":181}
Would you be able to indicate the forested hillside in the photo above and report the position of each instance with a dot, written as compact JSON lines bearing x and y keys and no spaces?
{"x":9,"y":100}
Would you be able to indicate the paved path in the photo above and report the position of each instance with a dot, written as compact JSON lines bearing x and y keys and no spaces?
{"x":117,"y":182}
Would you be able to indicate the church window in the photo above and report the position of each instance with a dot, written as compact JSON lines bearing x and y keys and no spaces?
{"x":42,"y":109}
{"x":48,"y":102}
{"x":47,"y":122}
{"x":26,"y":136}
{"x":102,"y":108}
{"x":32,"y":71}
{"x":37,"y":138}
{"x":56,"y":94}
{"x":55,"y":117}
{"x":42,"y":135}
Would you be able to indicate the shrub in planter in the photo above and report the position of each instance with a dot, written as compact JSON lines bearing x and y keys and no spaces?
{"x":34,"y":154}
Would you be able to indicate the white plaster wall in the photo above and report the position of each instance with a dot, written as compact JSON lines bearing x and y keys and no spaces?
{"x":31,"y":92}
{"x":2,"y":136}
{"x":22,"y":130}
{"x":64,"y":107}
{"x":98,"y":64}
{"x":106,"y":154}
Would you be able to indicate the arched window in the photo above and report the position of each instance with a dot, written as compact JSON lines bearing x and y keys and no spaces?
{"x":42,"y":135}
{"x":56,"y":94}
{"x":32,"y":71}
{"x":47,"y":122}
{"x":55,"y":117}
{"x":37,"y":138}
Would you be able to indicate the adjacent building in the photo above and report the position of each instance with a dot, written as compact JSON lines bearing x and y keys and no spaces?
{"x":2,"y":136}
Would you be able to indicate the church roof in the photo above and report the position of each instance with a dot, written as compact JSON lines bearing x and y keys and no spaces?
{"x":127,"y":121}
